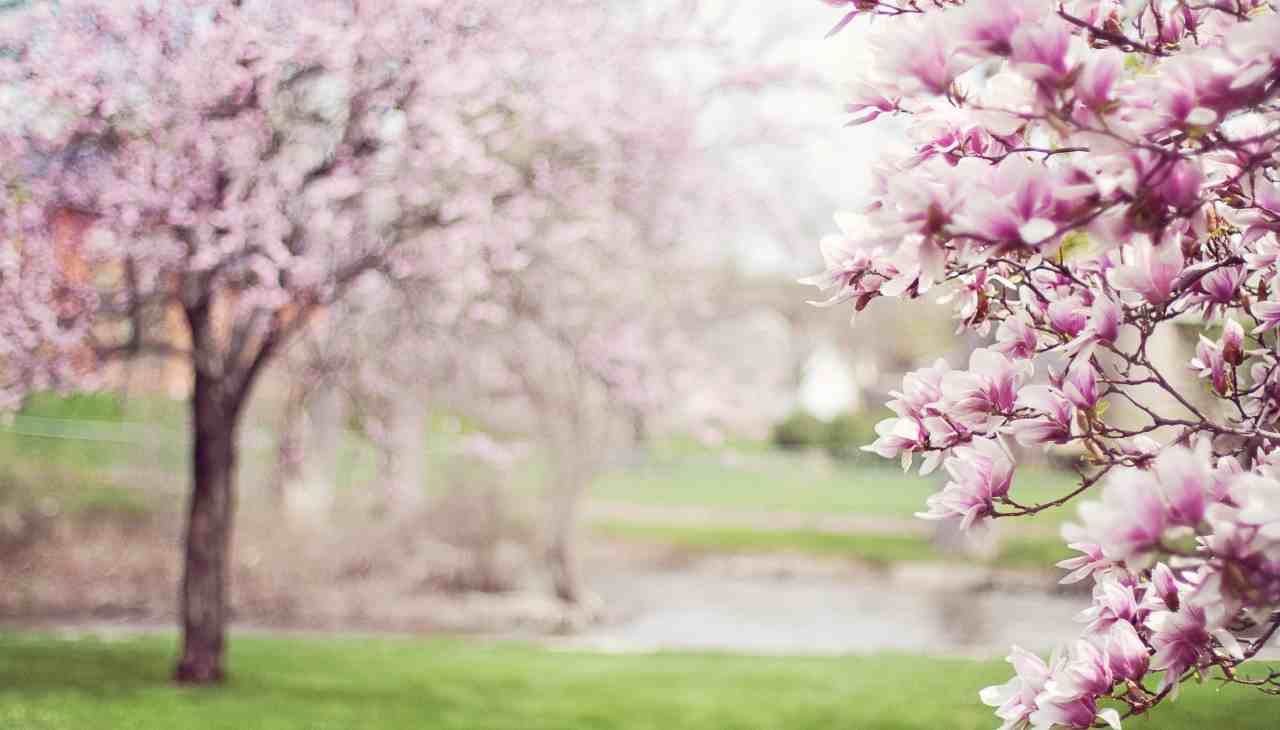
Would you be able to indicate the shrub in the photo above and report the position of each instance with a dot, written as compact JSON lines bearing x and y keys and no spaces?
{"x":800,"y":430}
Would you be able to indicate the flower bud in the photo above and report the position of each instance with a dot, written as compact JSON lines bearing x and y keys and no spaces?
{"x":1233,"y":342}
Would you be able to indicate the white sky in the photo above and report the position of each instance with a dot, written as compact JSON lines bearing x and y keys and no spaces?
{"x":828,"y":170}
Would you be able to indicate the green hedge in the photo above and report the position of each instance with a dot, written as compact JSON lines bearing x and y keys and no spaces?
{"x":843,"y":437}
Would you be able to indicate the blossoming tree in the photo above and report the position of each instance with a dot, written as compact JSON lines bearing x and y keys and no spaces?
{"x":247,"y":163}
{"x":585,"y":324}
{"x":1086,"y":174}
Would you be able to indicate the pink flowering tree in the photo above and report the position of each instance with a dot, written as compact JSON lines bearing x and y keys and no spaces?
{"x":248,"y":163}
{"x":584,"y":323}
{"x":1086,"y":174}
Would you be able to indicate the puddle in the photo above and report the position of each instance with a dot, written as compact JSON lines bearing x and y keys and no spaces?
{"x":805,"y":614}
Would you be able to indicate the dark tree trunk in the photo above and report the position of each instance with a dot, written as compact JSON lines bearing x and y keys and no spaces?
{"x":204,"y":600}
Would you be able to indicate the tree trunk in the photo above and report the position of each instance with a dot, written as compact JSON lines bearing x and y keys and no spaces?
{"x":204,"y":600}
{"x":562,"y":548}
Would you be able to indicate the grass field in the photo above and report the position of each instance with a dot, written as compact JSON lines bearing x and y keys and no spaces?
{"x":391,"y":684}
{"x":1038,"y":552}
{"x":771,"y":480}
{"x":764,"y":482}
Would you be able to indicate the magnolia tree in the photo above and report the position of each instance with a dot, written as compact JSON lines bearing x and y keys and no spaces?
{"x":247,"y":163}
{"x":1087,"y":175}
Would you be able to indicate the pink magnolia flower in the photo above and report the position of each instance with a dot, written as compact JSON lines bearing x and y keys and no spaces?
{"x":1095,"y":86}
{"x":1179,"y":185}
{"x":989,"y":387}
{"x":1016,"y":338}
{"x":991,"y":26}
{"x":1232,"y":342}
{"x":1231,"y":538}
{"x":1086,"y":675}
{"x":1185,"y":482}
{"x":946,"y":430}
{"x":1127,"y":656}
{"x":954,"y":139}
{"x":921,"y":56}
{"x":1015,"y":700}
{"x":1185,"y":94}
{"x":1210,"y":363}
{"x":1023,"y":204}
{"x":851,"y":269}
{"x":1148,"y":270}
{"x":1259,"y":500}
{"x":1129,"y":520}
{"x":1171,"y":23}
{"x":1217,"y":289}
{"x":1104,"y":318}
{"x":1070,"y":695}
{"x":868,"y":102}
{"x":921,"y":391}
{"x":1051,"y":419}
{"x":1068,"y":316}
{"x":980,"y":474}
{"x":1103,"y":327}
{"x":1114,"y":600}
{"x":916,"y":206}
{"x":1081,"y":385}
{"x":899,"y":437}
{"x":1041,"y":49}
{"x":1268,"y":314}
{"x":1082,"y":566}
{"x":969,"y":300}
{"x":1183,"y":639}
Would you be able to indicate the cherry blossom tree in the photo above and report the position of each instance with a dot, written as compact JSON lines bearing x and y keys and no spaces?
{"x":247,"y":163}
{"x":1088,"y":174}
{"x":585,"y":325}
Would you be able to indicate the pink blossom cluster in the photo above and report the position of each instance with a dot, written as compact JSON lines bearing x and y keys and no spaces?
{"x":1221,"y":526}
{"x":1086,"y":176}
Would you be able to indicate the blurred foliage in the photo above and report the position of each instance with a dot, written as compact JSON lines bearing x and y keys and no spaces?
{"x":848,"y":432}
{"x":842,"y":437}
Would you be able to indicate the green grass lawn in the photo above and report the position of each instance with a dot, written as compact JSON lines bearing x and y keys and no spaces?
{"x":390,"y":684}
{"x":780,"y":481}
{"x":764,"y":482}
{"x":1015,"y":551}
